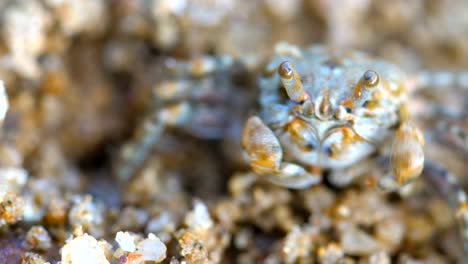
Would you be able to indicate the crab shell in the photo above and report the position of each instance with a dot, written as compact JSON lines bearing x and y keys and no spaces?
{"x":330,"y":123}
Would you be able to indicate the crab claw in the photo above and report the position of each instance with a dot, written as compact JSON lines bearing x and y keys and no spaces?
{"x":292,"y":82}
{"x":293,"y":176}
{"x":263,"y":149}
{"x":407,"y":156}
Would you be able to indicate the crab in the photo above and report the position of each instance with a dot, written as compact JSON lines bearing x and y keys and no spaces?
{"x":326,"y":111}
{"x":199,"y":96}
{"x":323,"y":111}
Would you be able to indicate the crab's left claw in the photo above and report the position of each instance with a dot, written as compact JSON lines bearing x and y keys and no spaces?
{"x":406,"y":157}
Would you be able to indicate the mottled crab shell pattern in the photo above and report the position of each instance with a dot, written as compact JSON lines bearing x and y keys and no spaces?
{"x":325,"y":119}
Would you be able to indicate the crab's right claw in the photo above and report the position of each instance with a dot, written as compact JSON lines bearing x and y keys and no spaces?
{"x":406,"y":158}
{"x":294,"y":176}
{"x":265,"y":155}
{"x":262,"y":147}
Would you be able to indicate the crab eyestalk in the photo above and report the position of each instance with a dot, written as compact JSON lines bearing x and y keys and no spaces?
{"x":363,"y":89}
{"x":292,"y":82}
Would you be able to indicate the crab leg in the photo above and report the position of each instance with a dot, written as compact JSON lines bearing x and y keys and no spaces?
{"x":448,"y":187}
{"x":199,"y":66}
{"x":137,"y":151}
{"x":451,"y":134}
{"x":439,"y":79}
{"x":174,"y":115}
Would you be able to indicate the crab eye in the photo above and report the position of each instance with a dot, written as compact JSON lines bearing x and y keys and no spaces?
{"x":285,"y":70}
{"x":371,"y":79}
